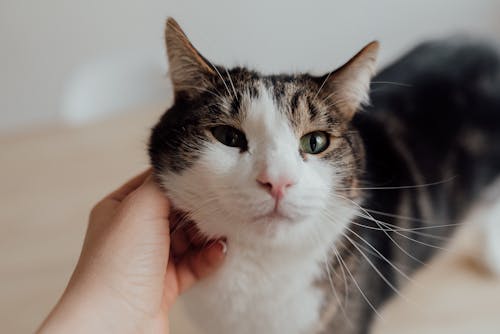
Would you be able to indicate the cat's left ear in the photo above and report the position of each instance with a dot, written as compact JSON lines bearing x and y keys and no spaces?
{"x":190,"y":72}
{"x":348,"y":87}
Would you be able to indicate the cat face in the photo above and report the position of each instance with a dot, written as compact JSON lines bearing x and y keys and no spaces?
{"x":260,"y":158}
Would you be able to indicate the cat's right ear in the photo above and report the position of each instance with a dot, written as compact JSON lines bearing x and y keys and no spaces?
{"x":190,"y":72}
{"x":349,"y":85}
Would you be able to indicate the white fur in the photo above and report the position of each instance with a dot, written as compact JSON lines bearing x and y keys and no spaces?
{"x":266,"y":284}
{"x":492,"y":238}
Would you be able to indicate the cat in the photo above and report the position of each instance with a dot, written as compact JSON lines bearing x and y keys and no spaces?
{"x":328,"y":202}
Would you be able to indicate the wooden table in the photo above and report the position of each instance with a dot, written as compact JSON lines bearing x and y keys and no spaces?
{"x":51,"y":178}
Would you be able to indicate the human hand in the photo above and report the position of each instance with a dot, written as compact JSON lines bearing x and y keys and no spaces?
{"x":126,"y":279}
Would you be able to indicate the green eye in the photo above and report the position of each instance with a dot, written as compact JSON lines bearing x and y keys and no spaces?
{"x":314,"y":142}
{"x":230,"y":136}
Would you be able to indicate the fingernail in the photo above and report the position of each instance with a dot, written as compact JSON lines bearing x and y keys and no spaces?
{"x":222,"y":246}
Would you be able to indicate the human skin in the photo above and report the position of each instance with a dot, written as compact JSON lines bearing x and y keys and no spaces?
{"x":132,"y":268}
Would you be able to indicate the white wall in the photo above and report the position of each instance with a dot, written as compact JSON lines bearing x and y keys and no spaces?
{"x":45,"y":46}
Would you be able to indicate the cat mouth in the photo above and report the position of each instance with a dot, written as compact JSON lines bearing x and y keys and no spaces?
{"x":273,"y":215}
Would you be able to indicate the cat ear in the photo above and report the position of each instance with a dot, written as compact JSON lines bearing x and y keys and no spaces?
{"x":348,"y":87}
{"x":189,"y":70}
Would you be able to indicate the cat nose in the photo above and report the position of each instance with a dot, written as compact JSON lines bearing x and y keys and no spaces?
{"x":276,"y":187}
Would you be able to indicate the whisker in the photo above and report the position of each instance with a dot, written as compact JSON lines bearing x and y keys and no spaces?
{"x":369,"y":245}
{"x":328,"y":96}
{"x":232,"y":84}
{"x":346,"y":288}
{"x":400,"y":248}
{"x":404,"y":187}
{"x":201,"y":89}
{"x":328,"y":273}
{"x":375,"y":268}
{"x":391,"y":83}
{"x":415,"y":240}
{"x":322,"y":85}
{"x":380,"y":255}
{"x":395,"y":228}
{"x":383,"y":257}
{"x":361,"y":291}
{"x":392,"y":228}
{"x":412,"y":219}
{"x":220,"y":76}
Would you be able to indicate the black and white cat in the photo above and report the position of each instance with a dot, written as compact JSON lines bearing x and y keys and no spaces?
{"x":326,"y":209}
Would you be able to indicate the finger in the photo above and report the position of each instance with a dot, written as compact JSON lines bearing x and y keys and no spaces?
{"x":147,"y":202}
{"x":131,"y":185}
{"x":196,"y":266}
{"x":176,"y":219}
{"x":180,"y":221}
{"x":179,"y":241}
{"x":196,"y":238}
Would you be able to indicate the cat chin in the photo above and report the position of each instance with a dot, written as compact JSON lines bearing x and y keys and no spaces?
{"x":273,"y":234}
{"x":272,"y":227}
{"x":268,"y":231}
{"x":263,"y":232}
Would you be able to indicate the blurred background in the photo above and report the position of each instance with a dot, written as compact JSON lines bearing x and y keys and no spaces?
{"x":71,"y":61}
{"x":81,"y":83}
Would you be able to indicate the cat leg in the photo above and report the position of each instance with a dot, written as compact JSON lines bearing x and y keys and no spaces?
{"x":491,"y":238}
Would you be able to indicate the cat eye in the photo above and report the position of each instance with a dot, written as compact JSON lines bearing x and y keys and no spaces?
{"x":314,"y":142}
{"x":230,"y":136}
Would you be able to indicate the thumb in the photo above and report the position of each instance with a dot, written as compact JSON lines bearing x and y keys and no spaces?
{"x":148,"y":202}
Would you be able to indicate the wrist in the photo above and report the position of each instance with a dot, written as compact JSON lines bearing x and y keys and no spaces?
{"x":86,"y":309}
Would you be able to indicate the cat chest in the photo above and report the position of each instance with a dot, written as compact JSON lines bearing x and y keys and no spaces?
{"x":242,"y":300}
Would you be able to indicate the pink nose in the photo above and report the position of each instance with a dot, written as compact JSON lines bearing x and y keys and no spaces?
{"x":276,"y":187}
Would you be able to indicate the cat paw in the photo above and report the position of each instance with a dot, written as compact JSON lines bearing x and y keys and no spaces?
{"x":491,"y":239}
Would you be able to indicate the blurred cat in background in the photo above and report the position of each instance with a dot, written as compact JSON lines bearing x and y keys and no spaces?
{"x":327,"y":208}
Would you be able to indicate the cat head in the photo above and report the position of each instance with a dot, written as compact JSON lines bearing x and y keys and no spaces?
{"x":261,"y":159}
